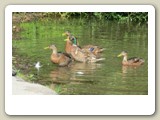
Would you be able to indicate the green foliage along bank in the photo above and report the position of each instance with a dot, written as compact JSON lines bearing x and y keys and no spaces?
{"x":138,"y":17}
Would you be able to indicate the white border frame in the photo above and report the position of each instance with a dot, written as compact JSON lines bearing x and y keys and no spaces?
{"x":80,"y":104}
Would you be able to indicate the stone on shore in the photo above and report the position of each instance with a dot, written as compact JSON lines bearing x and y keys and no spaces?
{"x":21,"y":87}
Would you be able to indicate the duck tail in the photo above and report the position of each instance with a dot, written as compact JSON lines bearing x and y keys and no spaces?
{"x":142,"y":60}
{"x":100,"y":59}
{"x":95,"y":60}
{"x":102,"y":49}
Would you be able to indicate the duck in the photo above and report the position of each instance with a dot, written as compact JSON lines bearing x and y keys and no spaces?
{"x":87,"y":48}
{"x":68,"y":46}
{"x":134,"y":61}
{"x":60,"y":58}
{"x":78,"y":54}
{"x":94,"y":49}
{"x":70,"y":37}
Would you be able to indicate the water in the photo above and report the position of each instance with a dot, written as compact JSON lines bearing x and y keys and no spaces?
{"x":104,"y":78}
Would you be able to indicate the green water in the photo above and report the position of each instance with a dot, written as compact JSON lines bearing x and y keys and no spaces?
{"x":108,"y":77}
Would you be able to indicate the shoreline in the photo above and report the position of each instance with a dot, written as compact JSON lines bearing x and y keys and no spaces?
{"x":21,"y":87}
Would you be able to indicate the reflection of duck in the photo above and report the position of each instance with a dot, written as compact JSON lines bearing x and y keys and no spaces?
{"x":61,"y":59}
{"x":85,"y":67}
{"x":79,"y":55}
{"x":74,"y":73}
{"x":129,"y":69}
{"x":87,"y":48}
{"x":135,"y":61}
{"x":60,"y":75}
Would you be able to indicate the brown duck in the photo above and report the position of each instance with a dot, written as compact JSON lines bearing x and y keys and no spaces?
{"x":62,"y":59}
{"x":135,"y":61}
{"x":87,"y":48}
{"x":78,"y":54}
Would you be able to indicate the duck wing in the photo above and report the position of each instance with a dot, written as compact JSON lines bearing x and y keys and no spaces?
{"x":66,"y":54}
{"x":135,"y":60}
{"x":64,"y":59}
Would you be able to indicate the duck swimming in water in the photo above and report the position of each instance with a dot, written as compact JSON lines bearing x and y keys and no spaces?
{"x":134,"y":61}
{"x":87,"y":48}
{"x":62,"y":59}
{"x":78,"y":54}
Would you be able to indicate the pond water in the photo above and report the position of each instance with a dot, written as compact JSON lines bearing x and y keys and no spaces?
{"x":107,"y":77}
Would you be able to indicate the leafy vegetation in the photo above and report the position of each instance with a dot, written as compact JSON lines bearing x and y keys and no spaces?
{"x":119,"y":16}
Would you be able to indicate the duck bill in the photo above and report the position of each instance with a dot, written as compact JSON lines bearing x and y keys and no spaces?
{"x":119,"y":55}
{"x":66,"y":39}
{"x":63,"y":34}
{"x":46,"y":48}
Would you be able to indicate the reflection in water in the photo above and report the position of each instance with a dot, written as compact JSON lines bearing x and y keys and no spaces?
{"x":129,"y":69}
{"x":132,"y":80}
{"x":77,"y":72}
{"x":60,"y":75}
{"x":133,"y":72}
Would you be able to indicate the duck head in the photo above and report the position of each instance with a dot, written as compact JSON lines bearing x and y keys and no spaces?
{"x":123,"y":53}
{"x":52,"y":47}
{"x":67,"y":33}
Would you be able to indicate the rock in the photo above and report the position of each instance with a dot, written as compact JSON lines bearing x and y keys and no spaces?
{"x":21,"y":87}
{"x":14,"y":73}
